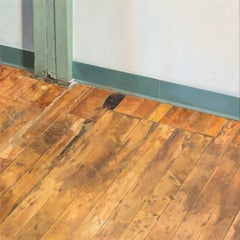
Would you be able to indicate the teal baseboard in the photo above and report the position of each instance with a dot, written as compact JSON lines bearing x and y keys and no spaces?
{"x":17,"y":57}
{"x":179,"y":95}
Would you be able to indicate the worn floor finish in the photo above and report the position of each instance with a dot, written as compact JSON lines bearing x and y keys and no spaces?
{"x":84,"y":163}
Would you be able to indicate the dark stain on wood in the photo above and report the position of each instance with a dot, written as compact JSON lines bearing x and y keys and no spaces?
{"x":103,"y":178}
{"x":113,"y":100}
{"x":84,"y":129}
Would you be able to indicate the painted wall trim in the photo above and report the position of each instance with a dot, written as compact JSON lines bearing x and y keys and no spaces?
{"x":179,"y":95}
{"x":53,"y":38}
{"x":17,"y":58}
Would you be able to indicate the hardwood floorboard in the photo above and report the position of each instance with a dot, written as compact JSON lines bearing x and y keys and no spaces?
{"x":234,"y":231}
{"x":128,"y":105}
{"x":109,"y":198}
{"x":10,"y":79}
{"x":5,"y":71}
{"x":53,"y":109}
{"x":188,"y":194}
{"x":84,"y":173}
{"x":162,"y":110}
{"x":84,"y":163}
{"x":145,"y":109}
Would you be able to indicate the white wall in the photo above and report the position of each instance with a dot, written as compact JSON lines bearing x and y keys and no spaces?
{"x":16,"y":24}
{"x":191,"y":42}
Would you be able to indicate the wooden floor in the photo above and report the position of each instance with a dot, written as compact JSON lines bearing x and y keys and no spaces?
{"x":85,"y":163}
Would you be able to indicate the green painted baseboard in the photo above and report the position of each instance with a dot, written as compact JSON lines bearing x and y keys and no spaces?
{"x":17,"y":57}
{"x":179,"y":95}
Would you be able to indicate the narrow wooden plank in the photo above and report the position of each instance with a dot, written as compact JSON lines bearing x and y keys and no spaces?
{"x":236,"y":140}
{"x":142,"y":223}
{"x":67,"y":128}
{"x":190,"y":150}
{"x":117,"y":223}
{"x":32,"y":153}
{"x":5,"y":71}
{"x":4,"y":102}
{"x":21,"y":111}
{"x":128,"y":105}
{"x":225,"y":213}
{"x":160,"y":112}
{"x":19,"y":88}
{"x":49,"y":96}
{"x":39,"y":125}
{"x":200,"y":213}
{"x":168,"y":186}
{"x":11,"y":114}
{"x":13,"y":118}
{"x":16,"y":114}
{"x":94,"y":186}
{"x":90,"y":106}
{"x":85,"y":228}
{"x":10,"y":81}
{"x":36,"y":90}
{"x":99,"y":163}
{"x":71,"y":163}
{"x":191,"y":188}
{"x":234,"y":231}
{"x":145,"y":109}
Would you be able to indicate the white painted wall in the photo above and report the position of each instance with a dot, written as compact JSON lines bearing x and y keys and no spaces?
{"x":16,"y":24}
{"x":191,"y":42}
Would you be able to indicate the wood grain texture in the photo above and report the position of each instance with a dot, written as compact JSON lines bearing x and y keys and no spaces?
{"x":86,"y":163}
{"x":145,"y":109}
{"x":128,"y":105}
{"x":160,"y":112}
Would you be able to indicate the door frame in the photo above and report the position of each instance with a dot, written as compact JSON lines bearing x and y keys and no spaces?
{"x":53,"y":39}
